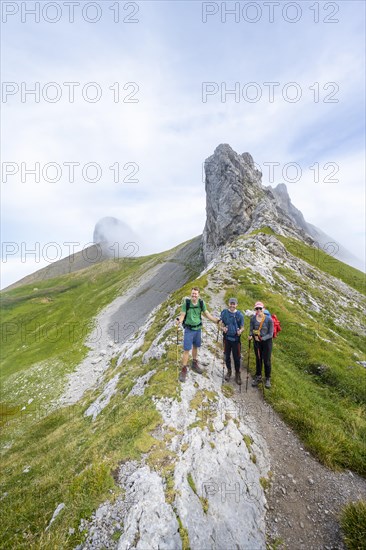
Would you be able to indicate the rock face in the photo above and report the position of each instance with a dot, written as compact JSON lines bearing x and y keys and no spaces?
{"x":321,"y":239}
{"x":237,"y":203}
{"x":233,"y":188}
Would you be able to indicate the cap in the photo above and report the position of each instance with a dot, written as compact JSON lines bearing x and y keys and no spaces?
{"x":233,"y":301}
{"x":258,"y":304}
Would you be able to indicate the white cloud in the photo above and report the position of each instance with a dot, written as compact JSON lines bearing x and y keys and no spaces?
{"x":170,"y":132}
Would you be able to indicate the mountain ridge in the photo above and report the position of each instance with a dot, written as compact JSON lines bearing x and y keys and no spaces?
{"x":236,"y":203}
{"x":134,"y":458}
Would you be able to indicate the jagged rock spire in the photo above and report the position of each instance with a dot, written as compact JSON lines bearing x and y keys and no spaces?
{"x":237,"y":203}
{"x":232,"y":184}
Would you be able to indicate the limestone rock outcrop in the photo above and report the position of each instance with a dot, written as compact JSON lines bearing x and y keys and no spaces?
{"x":237,"y":202}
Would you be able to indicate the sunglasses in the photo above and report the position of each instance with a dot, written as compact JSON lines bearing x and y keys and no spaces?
{"x":258,"y":308}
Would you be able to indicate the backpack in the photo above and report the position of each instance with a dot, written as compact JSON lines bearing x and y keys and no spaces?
{"x":276,"y":323}
{"x":188,"y":305}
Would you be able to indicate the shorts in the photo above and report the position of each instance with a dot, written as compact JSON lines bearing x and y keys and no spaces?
{"x":191,"y":338}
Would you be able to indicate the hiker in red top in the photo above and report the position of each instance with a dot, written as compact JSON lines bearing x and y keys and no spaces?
{"x":261,"y":330}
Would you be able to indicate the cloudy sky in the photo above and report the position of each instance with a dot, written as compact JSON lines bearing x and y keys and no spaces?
{"x":110,"y":109}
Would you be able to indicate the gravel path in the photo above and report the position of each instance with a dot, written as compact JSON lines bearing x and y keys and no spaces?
{"x":305,"y":498}
{"x":123,"y":317}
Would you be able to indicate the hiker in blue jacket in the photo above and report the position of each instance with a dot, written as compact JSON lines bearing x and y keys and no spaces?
{"x":232,"y":324}
{"x":261,"y":330}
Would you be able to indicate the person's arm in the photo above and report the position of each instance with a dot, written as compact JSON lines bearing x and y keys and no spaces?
{"x":269,"y":334}
{"x":222,"y":324}
{"x":241,"y":324}
{"x":211,"y":317}
{"x":180,"y":318}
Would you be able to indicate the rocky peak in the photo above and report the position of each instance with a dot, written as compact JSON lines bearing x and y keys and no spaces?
{"x":237,"y":203}
{"x":232,"y":185}
{"x":283,"y":200}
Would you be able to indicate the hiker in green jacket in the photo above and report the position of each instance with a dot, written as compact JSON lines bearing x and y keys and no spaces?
{"x":192,"y":309}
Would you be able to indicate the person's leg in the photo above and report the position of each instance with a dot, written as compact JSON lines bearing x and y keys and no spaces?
{"x":258,"y":358}
{"x":236,"y":355}
{"x":187,"y":346}
{"x":196,"y":342}
{"x":258,"y":362}
{"x":227,"y":352}
{"x":196,"y":345}
{"x":267,"y":351}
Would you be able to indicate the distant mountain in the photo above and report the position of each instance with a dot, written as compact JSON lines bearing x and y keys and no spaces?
{"x":321,"y":239}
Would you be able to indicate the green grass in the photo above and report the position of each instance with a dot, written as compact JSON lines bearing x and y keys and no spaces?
{"x":52,"y":322}
{"x":319,"y":258}
{"x":326,"y":407}
{"x":44,"y":328}
{"x":70,"y":458}
{"x":203,"y":500}
{"x":353,"y":523}
{"x":266,"y":230}
{"x":327,"y":263}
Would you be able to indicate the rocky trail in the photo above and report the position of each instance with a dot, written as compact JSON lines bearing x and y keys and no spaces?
{"x":118,"y":323}
{"x":227,"y":507}
{"x":304,"y":498}
{"x":239,"y":477}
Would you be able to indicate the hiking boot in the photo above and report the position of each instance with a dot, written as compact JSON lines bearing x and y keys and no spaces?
{"x":257,"y":380}
{"x":268,"y":383}
{"x":195,"y":367}
{"x":228,"y":375}
{"x":183,"y":374}
{"x":238,"y":378}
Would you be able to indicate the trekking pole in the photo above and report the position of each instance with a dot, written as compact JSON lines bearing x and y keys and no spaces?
{"x":177,"y":351}
{"x":223,"y":361}
{"x":246,"y":383}
{"x":260,"y":361}
{"x":216,"y":346}
{"x":239,"y":363}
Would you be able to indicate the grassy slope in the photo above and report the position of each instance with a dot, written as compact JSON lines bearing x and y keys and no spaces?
{"x":321,"y":260}
{"x":71,"y":459}
{"x":319,"y":388}
{"x":44,"y":328}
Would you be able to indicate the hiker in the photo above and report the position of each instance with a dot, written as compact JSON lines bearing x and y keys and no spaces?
{"x":192,"y":309}
{"x":261,"y":330}
{"x":232,"y":324}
